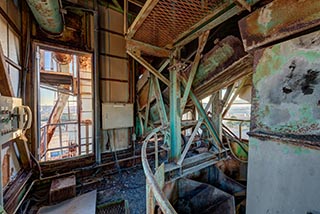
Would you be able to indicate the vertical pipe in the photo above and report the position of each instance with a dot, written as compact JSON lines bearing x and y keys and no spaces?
{"x":60,"y":140}
{"x":87,"y":138}
{"x":125,"y":17}
{"x":96,"y":94}
{"x":79,"y":107}
{"x":175,"y":123}
{"x":37,"y":105}
{"x":156,"y":151}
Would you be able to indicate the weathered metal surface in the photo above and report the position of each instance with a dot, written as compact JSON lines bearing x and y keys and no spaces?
{"x":164,"y":23}
{"x":47,"y":13}
{"x":226,"y":77}
{"x":278,"y":20}
{"x":282,"y":178}
{"x":85,"y":203}
{"x":150,"y":68}
{"x":133,"y":45}
{"x":175,"y":114}
{"x":287,"y":88}
{"x":202,"y":43}
{"x":224,"y":54}
{"x":151,"y":180}
{"x":76,"y":34}
{"x":191,"y":196}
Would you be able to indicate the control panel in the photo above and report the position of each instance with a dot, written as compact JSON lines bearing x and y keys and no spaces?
{"x":15,"y":118}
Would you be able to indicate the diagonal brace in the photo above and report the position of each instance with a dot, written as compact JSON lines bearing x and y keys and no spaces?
{"x":203,"y":114}
{"x":186,"y":149}
{"x":202,"y":42}
{"x":149,"y":67}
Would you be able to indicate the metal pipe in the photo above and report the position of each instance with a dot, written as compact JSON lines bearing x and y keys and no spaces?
{"x":48,"y":15}
{"x":96,"y":96}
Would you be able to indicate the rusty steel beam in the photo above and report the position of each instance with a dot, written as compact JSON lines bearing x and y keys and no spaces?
{"x":136,"y":2}
{"x":134,"y":45}
{"x":243,"y":4}
{"x":143,"y":14}
{"x":149,"y":67}
{"x":278,"y":20}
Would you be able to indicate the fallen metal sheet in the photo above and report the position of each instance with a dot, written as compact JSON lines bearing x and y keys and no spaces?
{"x":83,"y":204}
{"x":278,"y":20}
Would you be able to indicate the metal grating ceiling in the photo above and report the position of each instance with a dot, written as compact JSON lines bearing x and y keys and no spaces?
{"x":171,"y":18}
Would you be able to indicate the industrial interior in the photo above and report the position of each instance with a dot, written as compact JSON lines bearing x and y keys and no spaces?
{"x":160,"y":106}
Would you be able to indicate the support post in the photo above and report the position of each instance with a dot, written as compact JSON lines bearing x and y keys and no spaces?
{"x":203,"y":114}
{"x":160,"y":102}
{"x":175,"y":114}
{"x":216,"y":110}
{"x":146,"y":119}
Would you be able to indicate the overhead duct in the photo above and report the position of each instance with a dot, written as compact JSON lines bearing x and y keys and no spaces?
{"x":47,"y":13}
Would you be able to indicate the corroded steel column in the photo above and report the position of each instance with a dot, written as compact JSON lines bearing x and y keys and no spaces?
{"x":175,"y":113}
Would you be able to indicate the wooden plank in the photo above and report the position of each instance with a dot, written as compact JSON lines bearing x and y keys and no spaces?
{"x":143,"y":14}
{"x":6,"y":87}
{"x":133,"y":45}
{"x":278,"y":20}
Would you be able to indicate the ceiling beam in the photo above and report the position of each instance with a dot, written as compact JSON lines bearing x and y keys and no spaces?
{"x":133,"y":45}
{"x":149,"y":67}
{"x":143,"y":14}
{"x":137,"y":3}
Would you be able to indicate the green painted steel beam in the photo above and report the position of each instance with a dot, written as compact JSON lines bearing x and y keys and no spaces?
{"x":202,"y":42}
{"x":146,"y":119}
{"x":203,"y":114}
{"x":175,"y":116}
{"x":160,"y":102}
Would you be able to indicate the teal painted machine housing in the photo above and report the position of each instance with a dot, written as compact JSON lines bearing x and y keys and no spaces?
{"x":47,"y":13}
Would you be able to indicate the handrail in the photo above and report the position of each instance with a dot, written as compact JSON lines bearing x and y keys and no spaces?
{"x":160,"y":197}
{"x":59,"y":124}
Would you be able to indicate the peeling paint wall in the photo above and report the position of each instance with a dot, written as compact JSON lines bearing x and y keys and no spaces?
{"x":284,"y":155}
{"x":287,"y":87}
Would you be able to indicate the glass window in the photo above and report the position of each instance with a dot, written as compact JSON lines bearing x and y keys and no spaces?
{"x":15,"y":79}
{"x":4,"y":35}
{"x":14,"y":47}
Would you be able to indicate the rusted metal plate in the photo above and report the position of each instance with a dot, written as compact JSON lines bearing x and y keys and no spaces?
{"x":287,"y":88}
{"x":226,"y":52}
{"x":166,"y":23}
{"x":278,"y":20}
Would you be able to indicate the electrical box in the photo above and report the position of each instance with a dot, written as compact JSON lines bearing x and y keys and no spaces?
{"x":115,"y":116}
{"x":14,"y":118}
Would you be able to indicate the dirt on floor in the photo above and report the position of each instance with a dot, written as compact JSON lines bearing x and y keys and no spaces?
{"x":127,"y":185}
